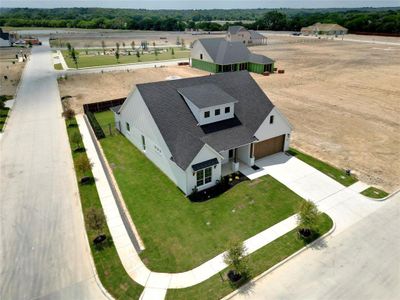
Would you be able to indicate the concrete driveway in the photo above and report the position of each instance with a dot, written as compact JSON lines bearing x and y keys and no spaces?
{"x":44,"y":253}
{"x":362,"y":262}
{"x":343,"y":204}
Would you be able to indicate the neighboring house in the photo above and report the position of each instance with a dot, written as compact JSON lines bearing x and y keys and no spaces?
{"x":197,"y":130}
{"x":320,"y":28}
{"x":247,"y":37}
{"x":219,"y":55}
{"x":5,"y":40}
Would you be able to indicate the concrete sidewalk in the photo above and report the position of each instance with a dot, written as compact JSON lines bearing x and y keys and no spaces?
{"x":156,"y":284}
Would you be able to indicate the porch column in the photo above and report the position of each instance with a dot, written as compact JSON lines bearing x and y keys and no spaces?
{"x":251,"y":150}
{"x":235,"y":155}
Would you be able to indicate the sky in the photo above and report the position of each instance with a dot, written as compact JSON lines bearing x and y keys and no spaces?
{"x":198,"y":4}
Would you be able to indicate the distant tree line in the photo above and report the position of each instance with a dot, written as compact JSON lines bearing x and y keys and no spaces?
{"x":360,"y":20}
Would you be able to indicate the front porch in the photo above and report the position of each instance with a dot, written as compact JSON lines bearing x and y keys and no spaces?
{"x":234,"y":158}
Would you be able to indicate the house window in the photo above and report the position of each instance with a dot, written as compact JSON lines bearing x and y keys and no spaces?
{"x":206,"y":114}
{"x":227,"y":109}
{"x":143,"y":143}
{"x":128,"y":128}
{"x":271,"y":120}
{"x":204,"y":176}
{"x":217,"y":112}
{"x":201,"y":56}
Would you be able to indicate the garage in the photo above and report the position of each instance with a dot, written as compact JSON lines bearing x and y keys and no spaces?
{"x":268,"y":147}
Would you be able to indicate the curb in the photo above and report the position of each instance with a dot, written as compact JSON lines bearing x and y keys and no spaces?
{"x":384,"y":198}
{"x":273,"y":268}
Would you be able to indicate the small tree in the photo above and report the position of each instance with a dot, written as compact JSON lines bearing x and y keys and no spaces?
{"x":83,"y":164}
{"x":117,"y":52}
{"x":138,"y":55}
{"x":68,"y":114}
{"x":69,"y":47}
{"x":183,"y":44}
{"x":133,"y":45}
{"x":235,"y":257}
{"x":307,"y":217}
{"x":173,"y":52}
{"x":123,"y":45}
{"x":76,"y":139}
{"x":103,"y":45}
{"x":2,"y":104}
{"x":74,"y":57}
{"x":156,"y":53}
{"x":96,"y":219}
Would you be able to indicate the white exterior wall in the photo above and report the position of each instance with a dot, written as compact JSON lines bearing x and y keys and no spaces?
{"x":279,"y":127}
{"x":242,"y":36}
{"x":135,"y":112}
{"x":213,"y":118}
{"x":4,"y":43}
{"x":204,"y":154}
{"x":243,"y":154}
{"x":199,"y":49}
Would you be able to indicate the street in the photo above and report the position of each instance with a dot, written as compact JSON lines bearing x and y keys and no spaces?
{"x":44,"y":252}
{"x":362,"y":262}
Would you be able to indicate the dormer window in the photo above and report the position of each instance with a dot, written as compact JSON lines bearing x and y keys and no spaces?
{"x":201,"y":56}
{"x":207,"y":103}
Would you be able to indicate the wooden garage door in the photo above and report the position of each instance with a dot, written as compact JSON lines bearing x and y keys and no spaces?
{"x":269,"y":147}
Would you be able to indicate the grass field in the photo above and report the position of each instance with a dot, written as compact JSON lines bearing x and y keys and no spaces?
{"x":58,"y":67}
{"x":178,"y":234}
{"x":218,"y":286}
{"x":111,"y":272}
{"x":335,"y":173}
{"x":374,"y":192}
{"x":85,"y":61}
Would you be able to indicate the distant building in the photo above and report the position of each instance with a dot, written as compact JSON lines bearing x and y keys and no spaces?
{"x":320,"y":28}
{"x":247,"y":37}
{"x":218,"y":55}
{"x":4,"y":39}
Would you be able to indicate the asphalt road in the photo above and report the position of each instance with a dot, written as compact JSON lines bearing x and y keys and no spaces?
{"x":44,"y":250}
{"x":362,"y":262}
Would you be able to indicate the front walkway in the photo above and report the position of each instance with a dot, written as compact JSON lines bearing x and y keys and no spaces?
{"x":156,"y":284}
{"x":345,"y":205}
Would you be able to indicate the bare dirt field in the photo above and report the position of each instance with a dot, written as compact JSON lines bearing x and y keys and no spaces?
{"x":12,"y":70}
{"x":343,"y":99}
{"x":89,"y":88}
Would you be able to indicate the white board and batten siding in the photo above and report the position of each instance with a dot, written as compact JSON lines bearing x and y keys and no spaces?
{"x":197,"y":50}
{"x":135,"y":112}
{"x":280,"y":126}
{"x":204,"y":154}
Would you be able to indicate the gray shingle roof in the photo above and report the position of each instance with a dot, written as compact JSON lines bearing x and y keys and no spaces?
{"x":223,"y":52}
{"x":206,"y":95}
{"x":260,"y":59}
{"x":234,"y":29}
{"x":179,"y":127}
{"x":256,"y":35}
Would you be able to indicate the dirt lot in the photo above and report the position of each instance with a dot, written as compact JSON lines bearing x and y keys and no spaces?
{"x":343,"y":99}
{"x":12,"y":71}
{"x":89,"y":88}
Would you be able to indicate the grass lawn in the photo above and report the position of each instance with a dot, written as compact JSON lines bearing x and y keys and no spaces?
{"x":111,"y":272}
{"x":178,"y":234}
{"x":335,"y":173}
{"x":217,"y":286}
{"x":4,"y":111}
{"x":58,"y":67}
{"x":373,"y":192}
{"x":105,"y":60}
